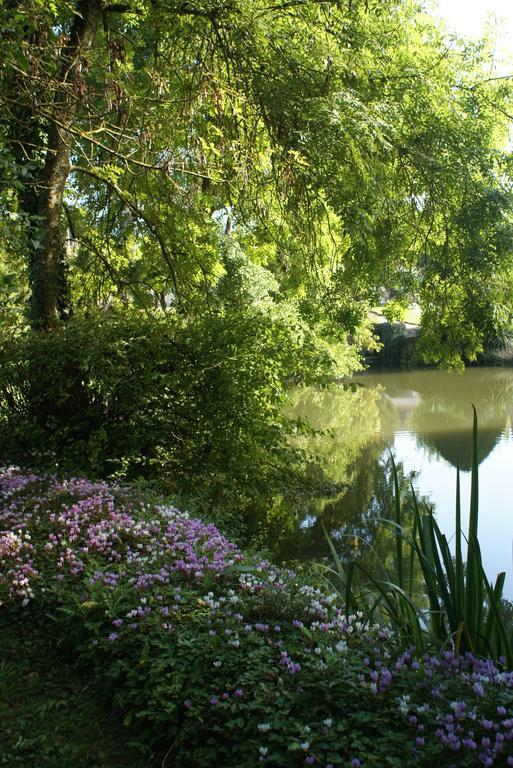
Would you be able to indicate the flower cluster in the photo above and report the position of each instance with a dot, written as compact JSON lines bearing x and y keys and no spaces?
{"x":199,"y":643}
{"x":79,"y":526}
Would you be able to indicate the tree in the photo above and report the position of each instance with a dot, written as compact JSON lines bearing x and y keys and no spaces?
{"x":343,"y":146}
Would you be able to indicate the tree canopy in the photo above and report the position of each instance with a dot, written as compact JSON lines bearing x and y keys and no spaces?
{"x":184,"y":154}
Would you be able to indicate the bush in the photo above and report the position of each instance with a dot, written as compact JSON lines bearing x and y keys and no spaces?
{"x":195,"y":404}
{"x":225,"y":663}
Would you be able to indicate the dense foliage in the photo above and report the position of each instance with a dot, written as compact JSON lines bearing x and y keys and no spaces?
{"x":195,"y":404}
{"x":199,"y":203}
{"x":338,"y":148}
{"x":46,"y":718}
{"x":225,"y":663}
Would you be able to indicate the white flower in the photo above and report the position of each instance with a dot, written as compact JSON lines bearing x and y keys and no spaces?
{"x":305,"y":745}
{"x":404,"y":704}
{"x":264,"y":727}
{"x":341,"y":646}
{"x":217,"y":664}
{"x":328,"y":722}
{"x":263,"y":751}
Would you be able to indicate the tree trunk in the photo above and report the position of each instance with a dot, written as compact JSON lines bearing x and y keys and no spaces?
{"x":47,"y":274}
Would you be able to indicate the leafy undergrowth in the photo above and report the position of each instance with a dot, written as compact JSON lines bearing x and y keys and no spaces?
{"x":218,"y":662}
{"x":51,"y":714}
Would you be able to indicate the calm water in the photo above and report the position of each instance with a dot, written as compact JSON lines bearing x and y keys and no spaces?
{"x":424,"y":419}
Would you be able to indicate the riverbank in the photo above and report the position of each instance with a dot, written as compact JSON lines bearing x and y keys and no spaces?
{"x":399,"y":348}
{"x":219,"y":658}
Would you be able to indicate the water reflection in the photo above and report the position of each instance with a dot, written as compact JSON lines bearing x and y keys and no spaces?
{"x":425,"y":419}
{"x":436,"y":407}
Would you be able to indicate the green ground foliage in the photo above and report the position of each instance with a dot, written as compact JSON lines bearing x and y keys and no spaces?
{"x":52,"y":712}
{"x":213,"y":658}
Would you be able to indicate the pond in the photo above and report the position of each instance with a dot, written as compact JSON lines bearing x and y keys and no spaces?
{"x":423,"y":419}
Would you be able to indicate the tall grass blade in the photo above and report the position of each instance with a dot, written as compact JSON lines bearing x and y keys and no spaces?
{"x":474,"y":584}
{"x":398,"y":520}
{"x":459,"y":585}
{"x":455,"y":593}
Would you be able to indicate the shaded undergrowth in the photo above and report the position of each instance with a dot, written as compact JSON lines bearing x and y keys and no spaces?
{"x":52,"y":712}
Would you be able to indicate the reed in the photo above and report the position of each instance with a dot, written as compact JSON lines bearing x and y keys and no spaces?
{"x":427,"y":596}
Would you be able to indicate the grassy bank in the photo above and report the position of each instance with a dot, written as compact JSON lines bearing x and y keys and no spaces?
{"x":210,"y":657}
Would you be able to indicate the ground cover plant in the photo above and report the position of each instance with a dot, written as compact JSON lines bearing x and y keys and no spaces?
{"x":52,"y":714}
{"x":223,"y":662}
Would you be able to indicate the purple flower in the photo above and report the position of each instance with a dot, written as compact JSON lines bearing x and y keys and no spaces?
{"x":469,"y":743}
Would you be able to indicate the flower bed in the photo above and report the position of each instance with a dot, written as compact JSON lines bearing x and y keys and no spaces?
{"x":222,"y":662}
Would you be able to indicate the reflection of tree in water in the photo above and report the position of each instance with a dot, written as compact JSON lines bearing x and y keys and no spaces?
{"x":442,"y":420}
{"x":456,"y":448}
{"x":348,"y":449}
{"x":354,"y":520}
{"x":361,"y":425}
{"x":351,"y":516}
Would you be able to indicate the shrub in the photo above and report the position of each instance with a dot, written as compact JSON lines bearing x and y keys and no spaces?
{"x":195,"y":404}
